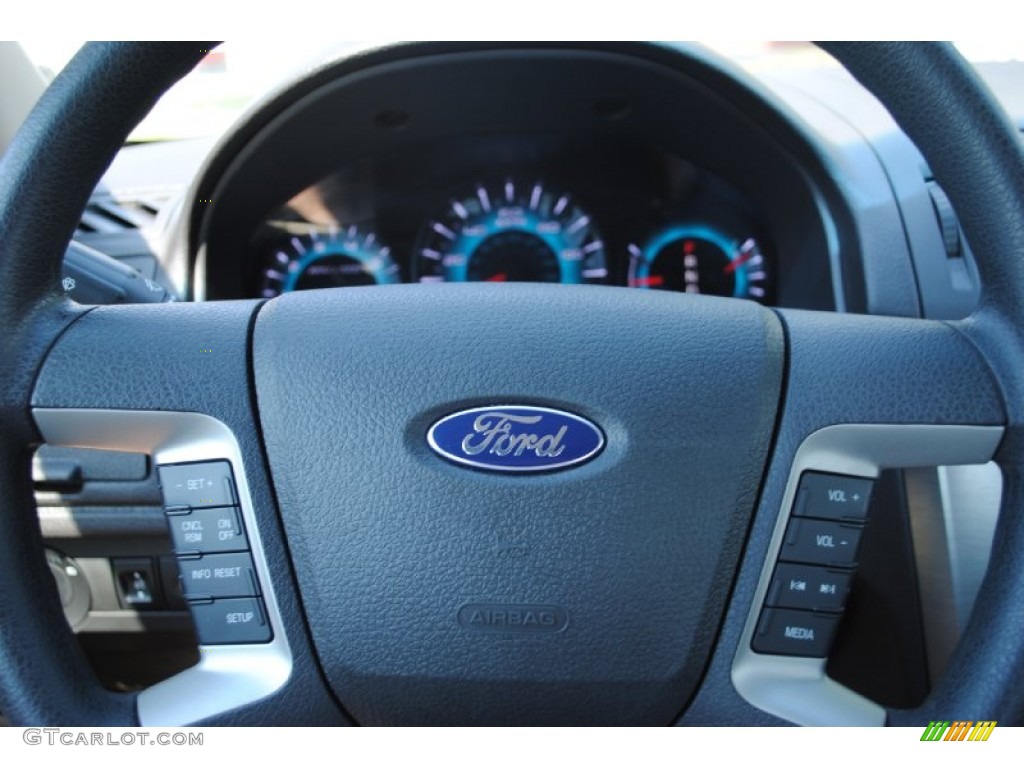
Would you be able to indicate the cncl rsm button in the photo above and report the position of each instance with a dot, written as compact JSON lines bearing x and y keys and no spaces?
{"x":207,"y":530}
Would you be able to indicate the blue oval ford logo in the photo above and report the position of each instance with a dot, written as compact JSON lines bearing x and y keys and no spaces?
{"x":516,"y":438}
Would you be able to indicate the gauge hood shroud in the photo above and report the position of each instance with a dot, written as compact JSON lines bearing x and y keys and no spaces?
{"x":637,"y":548}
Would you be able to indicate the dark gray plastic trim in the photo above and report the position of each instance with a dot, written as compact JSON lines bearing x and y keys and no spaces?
{"x":797,"y":689}
{"x":227,"y":676}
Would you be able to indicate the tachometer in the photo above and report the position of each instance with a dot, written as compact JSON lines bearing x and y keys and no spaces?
{"x":328,"y":259}
{"x":699,"y":259}
{"x":511,"y":232}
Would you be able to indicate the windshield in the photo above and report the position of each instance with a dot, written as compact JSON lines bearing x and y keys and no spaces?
{"x":213,"y":96}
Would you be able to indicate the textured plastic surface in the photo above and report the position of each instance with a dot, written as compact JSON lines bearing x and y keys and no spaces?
{"x":637,"y":546}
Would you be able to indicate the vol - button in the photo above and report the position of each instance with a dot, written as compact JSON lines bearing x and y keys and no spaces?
{"x":821,"y":542}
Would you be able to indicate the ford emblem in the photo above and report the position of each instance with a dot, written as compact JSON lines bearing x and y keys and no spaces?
{"x":515,"y":438}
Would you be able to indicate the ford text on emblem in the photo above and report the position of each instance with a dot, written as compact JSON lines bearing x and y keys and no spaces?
{"x":515,"y":438}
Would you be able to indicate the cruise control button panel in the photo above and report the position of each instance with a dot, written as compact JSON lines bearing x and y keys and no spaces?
{"x":209,"y":576}
{"x":226,"y":622}
{"x":204,"y":484}
{"x":218,"y":577}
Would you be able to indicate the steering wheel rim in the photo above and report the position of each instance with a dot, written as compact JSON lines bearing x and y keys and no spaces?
{"x":80,"y":124}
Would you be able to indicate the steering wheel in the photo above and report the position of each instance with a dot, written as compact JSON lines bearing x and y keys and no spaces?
{"x":650,"y":560}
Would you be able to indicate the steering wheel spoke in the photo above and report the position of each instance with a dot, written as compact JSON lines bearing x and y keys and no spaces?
{"x":848,"y":369}
{"x":172,"y":381}
{"x":863,"y":394}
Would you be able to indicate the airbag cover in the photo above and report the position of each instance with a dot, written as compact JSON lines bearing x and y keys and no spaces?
{"x":439,"y":593}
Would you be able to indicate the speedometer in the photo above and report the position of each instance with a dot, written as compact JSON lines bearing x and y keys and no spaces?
{"x":511,"y":232}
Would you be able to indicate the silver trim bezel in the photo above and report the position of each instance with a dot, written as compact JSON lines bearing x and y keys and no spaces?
{"x":797,"y":689}
{"x":227,"y":676}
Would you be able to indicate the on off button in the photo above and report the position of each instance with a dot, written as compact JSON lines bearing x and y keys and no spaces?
{"x":207,"y":530}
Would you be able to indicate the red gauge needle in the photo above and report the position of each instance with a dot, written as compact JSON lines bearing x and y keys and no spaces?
{"x":501,"y":277}
{"x":739,"y":261}
{"x":649,"y":282}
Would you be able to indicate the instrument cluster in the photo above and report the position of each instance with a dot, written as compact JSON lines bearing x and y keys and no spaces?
{"x":501,"y":209}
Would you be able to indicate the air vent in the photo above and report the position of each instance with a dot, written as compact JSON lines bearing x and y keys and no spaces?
{"x":107,"y":215}
{"x":948,"y":223}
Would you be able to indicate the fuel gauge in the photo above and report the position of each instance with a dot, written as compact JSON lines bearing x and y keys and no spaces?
{"x":699,"y":259}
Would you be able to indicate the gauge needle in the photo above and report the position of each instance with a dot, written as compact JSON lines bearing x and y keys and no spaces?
{"x":739,"y":261}
{"x":649,"y":282}
{"x":501,"y":277}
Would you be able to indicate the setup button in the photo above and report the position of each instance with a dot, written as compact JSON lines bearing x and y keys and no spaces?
{"x":224,"y":622}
